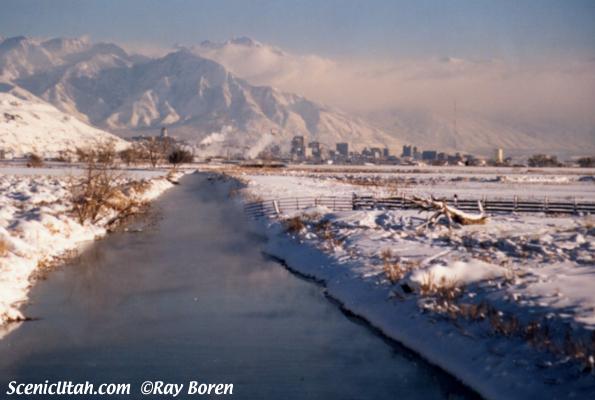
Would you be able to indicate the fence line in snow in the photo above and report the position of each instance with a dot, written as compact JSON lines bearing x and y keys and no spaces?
{"x":275,"y":207}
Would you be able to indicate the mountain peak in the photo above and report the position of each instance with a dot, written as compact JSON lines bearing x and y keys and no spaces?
{"x":61,"y":43}
{"x":14,"y":42}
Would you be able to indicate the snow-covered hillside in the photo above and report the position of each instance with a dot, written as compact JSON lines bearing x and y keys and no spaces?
{"x":30,"y":125}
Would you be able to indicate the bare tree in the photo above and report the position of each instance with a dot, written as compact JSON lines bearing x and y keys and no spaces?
{"x":128,"y":156}
{"x":105,"y":153}
{"x":156,"y":150}
{"x":179,"y":156}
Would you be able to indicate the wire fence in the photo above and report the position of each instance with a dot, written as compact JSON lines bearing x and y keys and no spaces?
{"x":277,"y":207}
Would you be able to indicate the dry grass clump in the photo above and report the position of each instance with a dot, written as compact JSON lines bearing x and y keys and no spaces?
{"x":391,"y":266}
{"x":323,"y":229}
{"x":3,"y":247}
{"x":294,"y":225}
{"x":51,"y":228}
{"x":505,"y":325}
{"x":538,"y":334}
{"x":140,"y":187}
{"x":474,"y":312}
{"x":48,"y":264}
{"x":446,"y":293}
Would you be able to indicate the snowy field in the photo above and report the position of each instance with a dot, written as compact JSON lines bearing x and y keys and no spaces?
{"x":468,"y":182}
{"x":37,"y":225}
{"x":508,"y":306}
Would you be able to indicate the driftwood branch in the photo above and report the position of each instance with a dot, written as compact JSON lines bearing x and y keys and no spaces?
{"x":452,"y":214}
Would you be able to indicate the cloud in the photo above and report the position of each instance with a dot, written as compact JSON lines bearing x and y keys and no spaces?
{"x":561,"y":89}
{"x":145,"y":49}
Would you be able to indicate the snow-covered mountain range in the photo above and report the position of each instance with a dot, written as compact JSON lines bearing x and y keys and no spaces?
{"x":31,"y":125}
{"x":222,"y":95}
{"x":196,"y":98}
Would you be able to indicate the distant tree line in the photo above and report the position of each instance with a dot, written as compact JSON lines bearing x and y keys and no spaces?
{"x":155,"y":151}
{"x":543,"y":160}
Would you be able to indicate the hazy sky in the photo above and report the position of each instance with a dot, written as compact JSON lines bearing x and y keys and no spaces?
{"x":527,"y":60}
{"x":507,"y":29}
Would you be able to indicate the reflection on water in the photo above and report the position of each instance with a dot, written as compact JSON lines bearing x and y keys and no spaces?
{"x":194,"y":299}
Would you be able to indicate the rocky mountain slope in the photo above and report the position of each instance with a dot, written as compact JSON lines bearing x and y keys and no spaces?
{"x":197,"y":99}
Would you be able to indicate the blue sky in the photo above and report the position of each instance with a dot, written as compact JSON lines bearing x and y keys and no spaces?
{"x":506,"y":29}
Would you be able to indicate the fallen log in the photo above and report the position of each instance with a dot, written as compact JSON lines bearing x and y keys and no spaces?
{"x":452,"y":214}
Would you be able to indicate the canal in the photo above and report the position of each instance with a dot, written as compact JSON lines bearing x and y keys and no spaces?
{"x":192,"y":298}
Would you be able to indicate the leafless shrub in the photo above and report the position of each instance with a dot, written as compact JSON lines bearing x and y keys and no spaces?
{"x":93,"y":193}
{"x":34,"y":161}
{"x":101,"y":188}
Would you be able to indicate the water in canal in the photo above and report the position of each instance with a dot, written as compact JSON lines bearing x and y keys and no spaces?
{"x":193,"y":298}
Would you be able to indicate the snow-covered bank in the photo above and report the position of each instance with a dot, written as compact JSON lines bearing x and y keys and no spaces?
{"x":507,"y":307}
{"x":37,"y":225}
